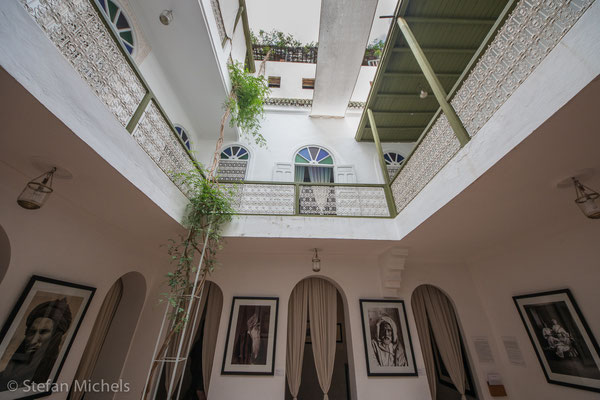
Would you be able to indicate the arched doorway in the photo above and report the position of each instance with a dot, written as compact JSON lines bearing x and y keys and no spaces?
{"x":317,"y":350}
{"x":108,"y":345}
{"x":4,"y":253}
{"x":314,"y":166}
{"x":446,"y":362}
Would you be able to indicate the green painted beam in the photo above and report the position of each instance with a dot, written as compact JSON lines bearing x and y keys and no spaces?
{"x":402,"y":113}
{"x":249,"y":53}
{"x":386,"y":176}
{"x":401,"y":74}
{"x":457,"y":21}
{"x":399,"y":94}
{"x":139,"y":111}
{"x":434,"y":83}
{"x":439,"y":50}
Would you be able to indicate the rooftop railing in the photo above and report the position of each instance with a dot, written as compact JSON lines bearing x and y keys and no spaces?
{"x":531,"y":30}
{"x":302,"y":54}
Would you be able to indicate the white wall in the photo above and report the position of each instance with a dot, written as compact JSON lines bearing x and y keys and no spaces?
{"x":287,"y":132}
{"x":64,"y":241}
{"x":262,"y":273}
{"x":291,"y":80}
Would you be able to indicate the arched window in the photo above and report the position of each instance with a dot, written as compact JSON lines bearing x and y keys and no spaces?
{"x":393,"y":161}
{"x":116,"y":16}
{"x":184,"y":136}
{"x":313,"y":164}
{"x":233,"y":163}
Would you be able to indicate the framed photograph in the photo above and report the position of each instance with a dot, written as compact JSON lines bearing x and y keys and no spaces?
{"x":250,"y":346}
{"x":563,"y":342}
{"x":338,"y":333}
{"x":38,"y":333}
{"x":388,"y":346}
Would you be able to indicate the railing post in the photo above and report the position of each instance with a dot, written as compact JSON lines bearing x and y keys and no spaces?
{"x":434,"y":82}
{"x":297,"y":199}
{"x":139,"y":111}
{"x":386,"y":176}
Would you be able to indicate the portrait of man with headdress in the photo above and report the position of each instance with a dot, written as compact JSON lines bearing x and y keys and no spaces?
{"x":35,"y":339}
{"x":33,"y":360}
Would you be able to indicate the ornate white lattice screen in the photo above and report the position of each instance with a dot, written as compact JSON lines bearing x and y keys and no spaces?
{"x":530,"y":32}
{"x":79,"y":33}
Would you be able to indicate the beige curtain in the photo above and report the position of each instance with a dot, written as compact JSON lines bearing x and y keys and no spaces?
{"x":296,"y":336}
{"x":173,"y":369}
{"x":211,"y":329}
{"x":420,"y":314}
{"x":97,"y":337}
{"x":322,"y":309}
{"x":444,"y":326}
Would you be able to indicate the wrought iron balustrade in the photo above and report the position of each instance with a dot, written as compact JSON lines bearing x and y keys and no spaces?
{"x":309,"y":199}
{"x":287,"y":54}
{"x":529,"y":33}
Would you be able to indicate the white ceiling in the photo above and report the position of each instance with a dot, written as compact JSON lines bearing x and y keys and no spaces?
{"x":185,"y":53}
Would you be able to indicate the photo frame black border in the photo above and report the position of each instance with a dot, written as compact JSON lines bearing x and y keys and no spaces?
{"x":19,"y":303}
{"x":583,"y":323}
{"x":362,"y":319}
{"x":272,"y":371}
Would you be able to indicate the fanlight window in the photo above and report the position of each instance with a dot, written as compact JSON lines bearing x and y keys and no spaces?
{"x":233,"y":163}
{"x":115,"y":14}
{"x":393,"y":161}
{"x":184,"y":136}
{"x":313,"y":164}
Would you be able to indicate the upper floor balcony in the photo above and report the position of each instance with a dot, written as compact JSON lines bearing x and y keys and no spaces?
{"x":465,"y":85}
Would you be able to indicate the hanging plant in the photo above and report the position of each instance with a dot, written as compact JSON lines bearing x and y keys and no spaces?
{"x":244,"y":107}
{"x":208,"y":211}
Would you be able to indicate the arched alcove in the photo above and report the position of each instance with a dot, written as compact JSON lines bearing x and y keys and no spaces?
{"x":131,"y":292}
{"x":442,"y":344}
{"x":343,"y":385}
{"x":4,"y":253}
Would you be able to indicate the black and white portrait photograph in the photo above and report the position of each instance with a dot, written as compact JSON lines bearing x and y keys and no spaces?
{"x":388,"y":346}
{"x":564,"y":344}
{"x":251,"y":335}
{"x":36,"y":337}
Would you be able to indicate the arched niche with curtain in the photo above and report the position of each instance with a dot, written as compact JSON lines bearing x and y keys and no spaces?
{"x":109,"y":341}
{"x":314,"y":166}
{"x":4,"y":253}
{"x":446,"y":362}
{"x":318,"y":351}
{"x":233,"y":163}
{"x":195,"y":378}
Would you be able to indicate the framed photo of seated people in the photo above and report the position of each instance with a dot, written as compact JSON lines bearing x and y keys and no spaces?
{"x":563,"y":342}
{"x":250,"y":345}
{"x":37,"y":335}
{"x":388,"y":347}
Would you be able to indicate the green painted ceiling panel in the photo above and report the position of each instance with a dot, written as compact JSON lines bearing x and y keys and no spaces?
{"x":449,"y":32}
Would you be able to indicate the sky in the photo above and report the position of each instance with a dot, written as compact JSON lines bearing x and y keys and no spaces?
{"x":301,"y":17}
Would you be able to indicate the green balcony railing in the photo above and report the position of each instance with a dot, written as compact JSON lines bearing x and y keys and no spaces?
{"x":506,"y":58}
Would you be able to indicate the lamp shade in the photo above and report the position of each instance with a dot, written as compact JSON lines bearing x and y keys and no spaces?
{"x":36,"y":192}
{"x":587,"y":200}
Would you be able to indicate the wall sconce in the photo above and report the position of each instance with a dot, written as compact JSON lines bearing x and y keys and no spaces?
{"x":37,"y":191}
{"x":587,"y":200}
{"x":423,"y":94}
{"x":316,"y":262}
{"x":166,"y":17}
